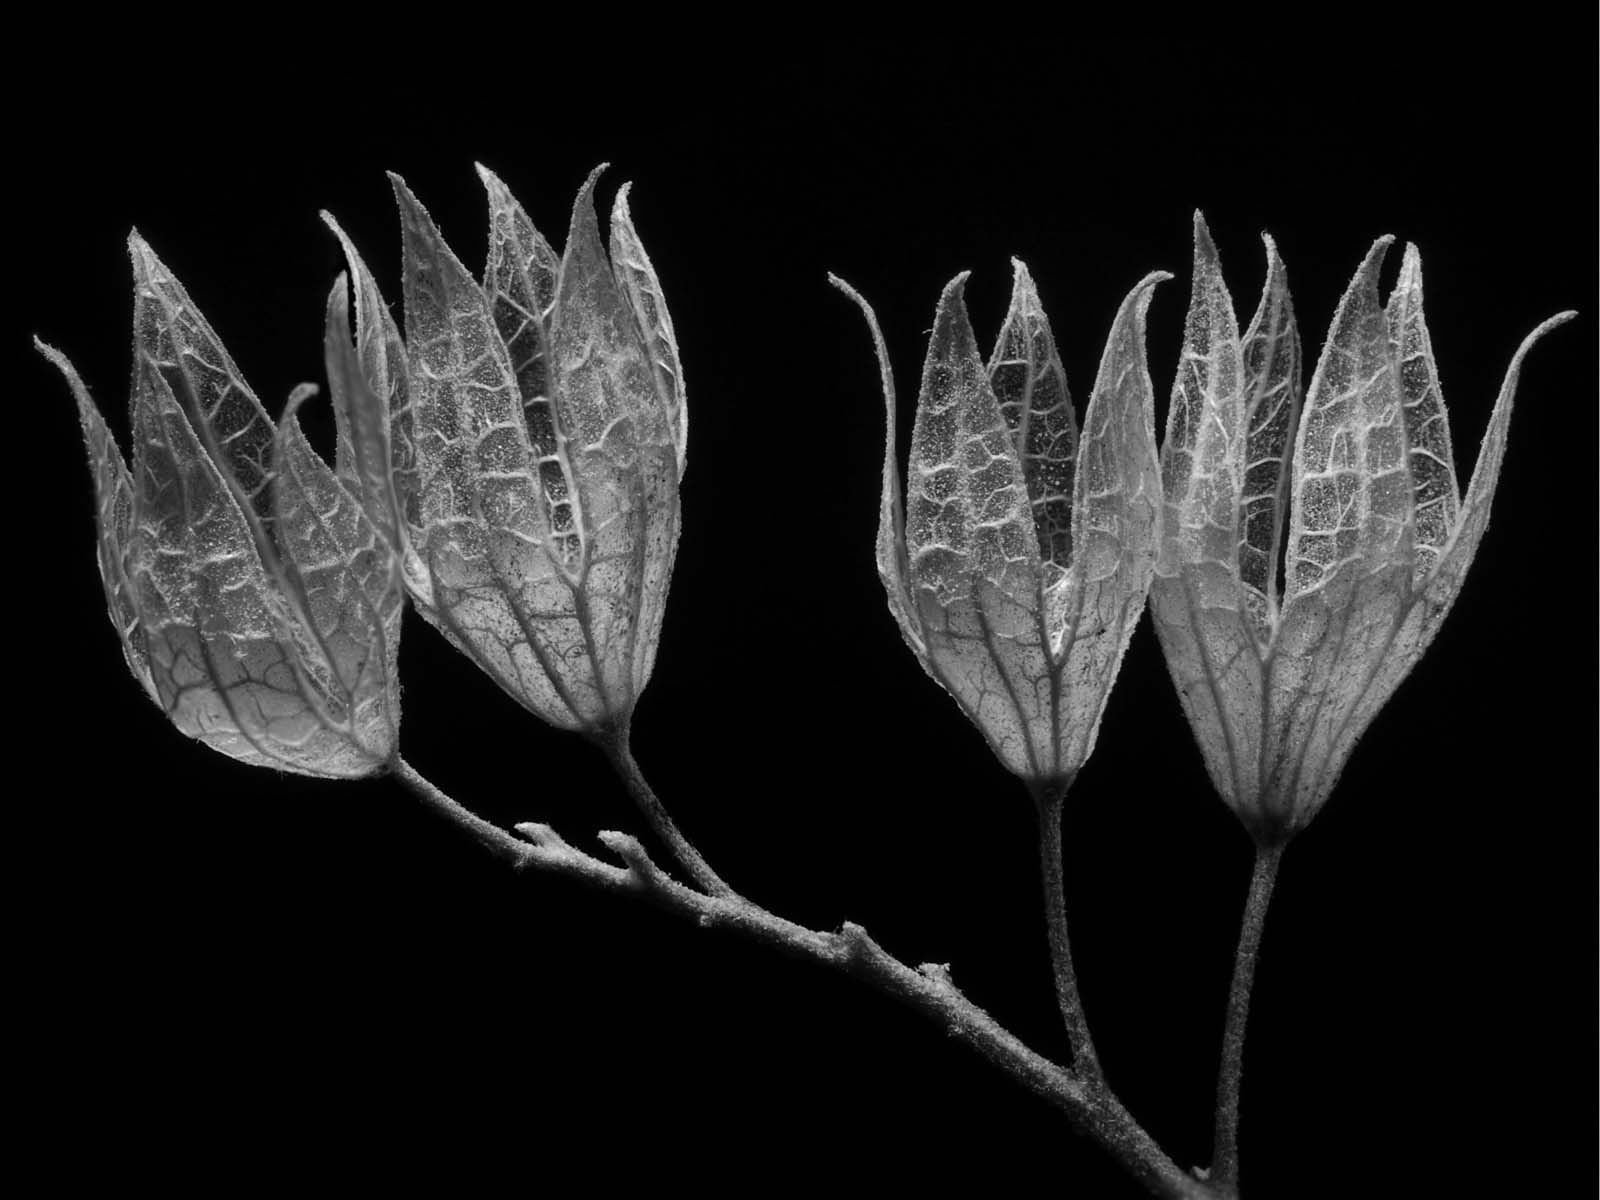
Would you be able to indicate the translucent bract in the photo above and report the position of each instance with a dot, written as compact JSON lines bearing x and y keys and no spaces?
{"x":1279,"y":685}
{"x":1019,"y":566}
{"x":256,"y":592}
{"x":539,"y":446}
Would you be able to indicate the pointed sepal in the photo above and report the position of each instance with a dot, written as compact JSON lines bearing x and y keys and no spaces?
{"x":1270,"y":363}
{"x":637,"y":278}
{"x":891,"y":542}
{"x":1435,"y":494}
{"x":1116,"y":528}
{"x":343,"y":584}
{"x":383,"y":364}
{"x":113,"y":490}
{"x":1030,"y":386}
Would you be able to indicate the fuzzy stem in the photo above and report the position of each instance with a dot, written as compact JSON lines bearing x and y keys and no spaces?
{"x":1087,"y":1103}
{"x":618,"y":750}
{"x":1048,"y":801}
{"x":1225,"y":1162}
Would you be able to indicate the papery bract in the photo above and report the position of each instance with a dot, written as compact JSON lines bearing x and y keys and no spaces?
{"x":1380,"y":538}
{"x":255,"y":591}
{"x":542,"y":448}
{"x":1020,"y":565}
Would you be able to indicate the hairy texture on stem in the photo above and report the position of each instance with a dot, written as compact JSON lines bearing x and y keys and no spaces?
{"x":1087,"y":1102}
{"x":618,"y":750}
{"x":1225,"y":1153}
{"x":1047,"y":801}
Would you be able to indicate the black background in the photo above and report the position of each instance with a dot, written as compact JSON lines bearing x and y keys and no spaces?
{"x":235,"y":977}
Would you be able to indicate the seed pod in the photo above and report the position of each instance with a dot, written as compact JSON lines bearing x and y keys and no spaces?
{"x":1278,"y":689}
{"x":1020,"y":565}
{"x":256,"y":591}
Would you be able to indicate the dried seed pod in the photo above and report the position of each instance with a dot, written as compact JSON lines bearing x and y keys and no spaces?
{"x":1019,"y":568}
{"x":539,"y":462}
{"x":256,"y":591}
{"x":1278,"y":690}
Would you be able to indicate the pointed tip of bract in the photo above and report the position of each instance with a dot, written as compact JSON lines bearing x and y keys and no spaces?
{"x":63,"y":364}
{"x":352,"y":258}
{"x":145,"y":261}
{"x":288,"y":429}
{"x":1545,"y":326}
{"x":1373,"y":262}
{"x":297,"y":397}
{"x":621,"y":216}
{"x":90,"y":422}
{"x":586,"y":191}
{"x":953,"y":291}
{"x":1411,"y":272}
{"x":585,"y":223}
{"x":1205,"y":250}
{"x":1277,"y":271}
{"x":1365,"y":280}
{"x":402,"y":193}
{"x":860,"y":302}
{"x":952,"y":327}
{"x":336,"y":229}
{"x":499,"y":193}
{"x":1021,"y":280}
{"x":1024,"y":293}
{"x":849,"y":291}
{"x":1137,"y":302}
{"x":338,"y":308}
{"x":407,"y":201}
{"x":415,"y":220}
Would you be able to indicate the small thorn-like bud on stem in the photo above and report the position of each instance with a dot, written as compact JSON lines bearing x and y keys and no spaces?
{"x":632,"y":853}
{"x":542,"y":835}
